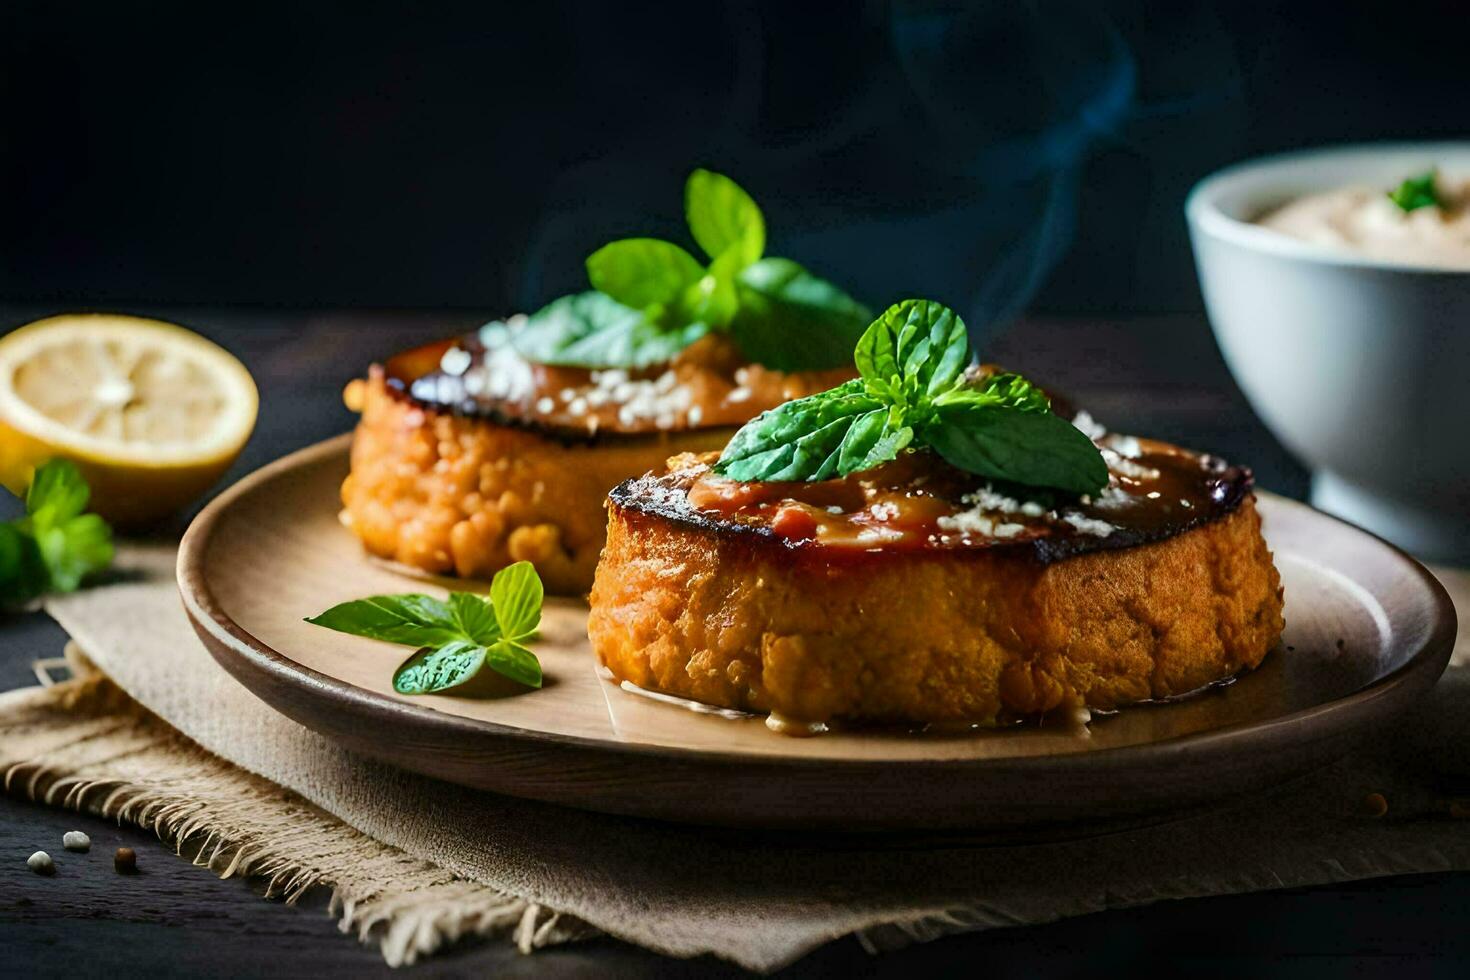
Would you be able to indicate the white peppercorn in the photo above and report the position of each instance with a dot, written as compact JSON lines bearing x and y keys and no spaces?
{"x":41,"y":863}
{"x":75,"y":840}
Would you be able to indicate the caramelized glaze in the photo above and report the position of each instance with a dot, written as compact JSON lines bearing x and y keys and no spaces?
{"x":708,"y":385}
{"x":918,"y":502}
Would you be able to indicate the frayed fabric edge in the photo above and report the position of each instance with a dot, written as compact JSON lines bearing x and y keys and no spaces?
{"x":83,"y":745}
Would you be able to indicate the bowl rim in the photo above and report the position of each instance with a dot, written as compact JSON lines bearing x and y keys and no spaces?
{"x":1204,"y":215}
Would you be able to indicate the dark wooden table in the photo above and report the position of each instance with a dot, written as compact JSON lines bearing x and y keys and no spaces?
{"x":1162,"y":376}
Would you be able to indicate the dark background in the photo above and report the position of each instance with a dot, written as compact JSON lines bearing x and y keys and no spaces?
{"x":176,"y":159}
{"x":992,"y":155}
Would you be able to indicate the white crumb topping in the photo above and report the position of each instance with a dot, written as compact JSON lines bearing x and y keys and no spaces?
{"x":986,"y":515}
{"x":974,"y":522}
{"x":1123,"y":466}
{"x":1089,"y":525}
{"x":661,"y":399}
{"x":1128,"y":446}
{"x":455,"y":360}
{"x":1088,"y":426}
{"x":885,"y":510}
{"x":502,"y":374}
{"x":990,"y":509}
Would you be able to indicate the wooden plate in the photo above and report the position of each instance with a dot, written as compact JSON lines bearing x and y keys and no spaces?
{"x":1368,"y":632}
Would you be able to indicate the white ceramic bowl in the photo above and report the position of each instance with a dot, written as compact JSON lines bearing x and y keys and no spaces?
{"x":1359,"y":366}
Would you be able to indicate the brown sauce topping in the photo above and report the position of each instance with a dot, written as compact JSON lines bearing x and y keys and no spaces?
{"x":708,"y":385}
{"x":918,"y":502}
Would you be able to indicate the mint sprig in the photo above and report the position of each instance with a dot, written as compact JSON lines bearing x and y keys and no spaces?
{"x":653,"y":298}
{"x":912,"y":391}
{"x":457,"y":637}
{"x":55,"y":545}
{"x":1416,"y":192}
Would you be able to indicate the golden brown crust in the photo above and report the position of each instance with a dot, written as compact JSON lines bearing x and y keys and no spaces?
{"x":464,"y":496}
{"x":729,"y":619}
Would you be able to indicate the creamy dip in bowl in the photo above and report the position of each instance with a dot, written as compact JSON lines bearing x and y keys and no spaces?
{"x":1365,"y":220}
{"x":1346,"y":322}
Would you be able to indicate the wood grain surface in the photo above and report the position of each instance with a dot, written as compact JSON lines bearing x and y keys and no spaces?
{"x":1162,"y":374}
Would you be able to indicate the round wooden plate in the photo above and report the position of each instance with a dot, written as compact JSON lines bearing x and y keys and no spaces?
{"x":1368,"y":632}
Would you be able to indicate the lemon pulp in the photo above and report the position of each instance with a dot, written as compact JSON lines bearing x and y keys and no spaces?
{"x":152,"y":413}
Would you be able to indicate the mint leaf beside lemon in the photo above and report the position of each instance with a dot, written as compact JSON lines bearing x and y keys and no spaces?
{"x":55,"y":545}
{"x":457,"y":637}
{"x":913,"y":391}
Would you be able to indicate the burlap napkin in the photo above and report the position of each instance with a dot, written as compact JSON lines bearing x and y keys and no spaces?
{"x":416,"y":862}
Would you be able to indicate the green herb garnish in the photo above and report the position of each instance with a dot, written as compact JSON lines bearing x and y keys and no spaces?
{"x":912,"y":391}
{"x":55,"y":545}
{"x":1416,"y":192}
{"x":653,"y":298}
{"x":456,"y":637}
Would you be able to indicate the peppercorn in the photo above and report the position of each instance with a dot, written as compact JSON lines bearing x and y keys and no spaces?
{"x":41,"y":863}
{"x":125,"y":861}
{"x":75,"y":840}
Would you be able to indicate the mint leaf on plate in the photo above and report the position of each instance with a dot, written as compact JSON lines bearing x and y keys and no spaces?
{"x":416,"y":620}
{"x":516,"y":595}
{"x":456,"y":637}
{"x":439,"y":668}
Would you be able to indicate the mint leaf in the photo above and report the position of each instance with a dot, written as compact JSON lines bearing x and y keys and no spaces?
{"x":874,"y":438}
{"x":643,"y":272}
{"x":913,"y":392}
{"x":655,"y":299}
{"x":1416,"y":192}
{"x":918,"y":345}
{"x":593,"y":330}
{"x":1001,"y":390}
{"x":73,"y":548}
{"x":70,"y":545}
{"x":23,"y":574}
{"x":414,"y":620}
{"x":791,"y":320}
{"x":723,"y":218}
{"x":434,"y":669}
{"x":513,"y":660}
{"x":475,"y":617}
{"x":455,"y":637}
{"x":800,"y":440}
{"x":1029,"y":447}
{"x":712,"y":299}
{"x":57,"y":491}
{"x":516,"y":595}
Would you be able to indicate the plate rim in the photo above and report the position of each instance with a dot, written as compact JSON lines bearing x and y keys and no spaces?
{"x":235,"y":648}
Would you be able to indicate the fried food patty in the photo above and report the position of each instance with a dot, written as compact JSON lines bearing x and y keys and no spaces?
{"x":467,"y":458}
{"x":1020,"y":613}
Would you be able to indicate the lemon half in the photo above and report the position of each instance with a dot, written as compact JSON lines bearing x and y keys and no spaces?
{"x":151,"y":413}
